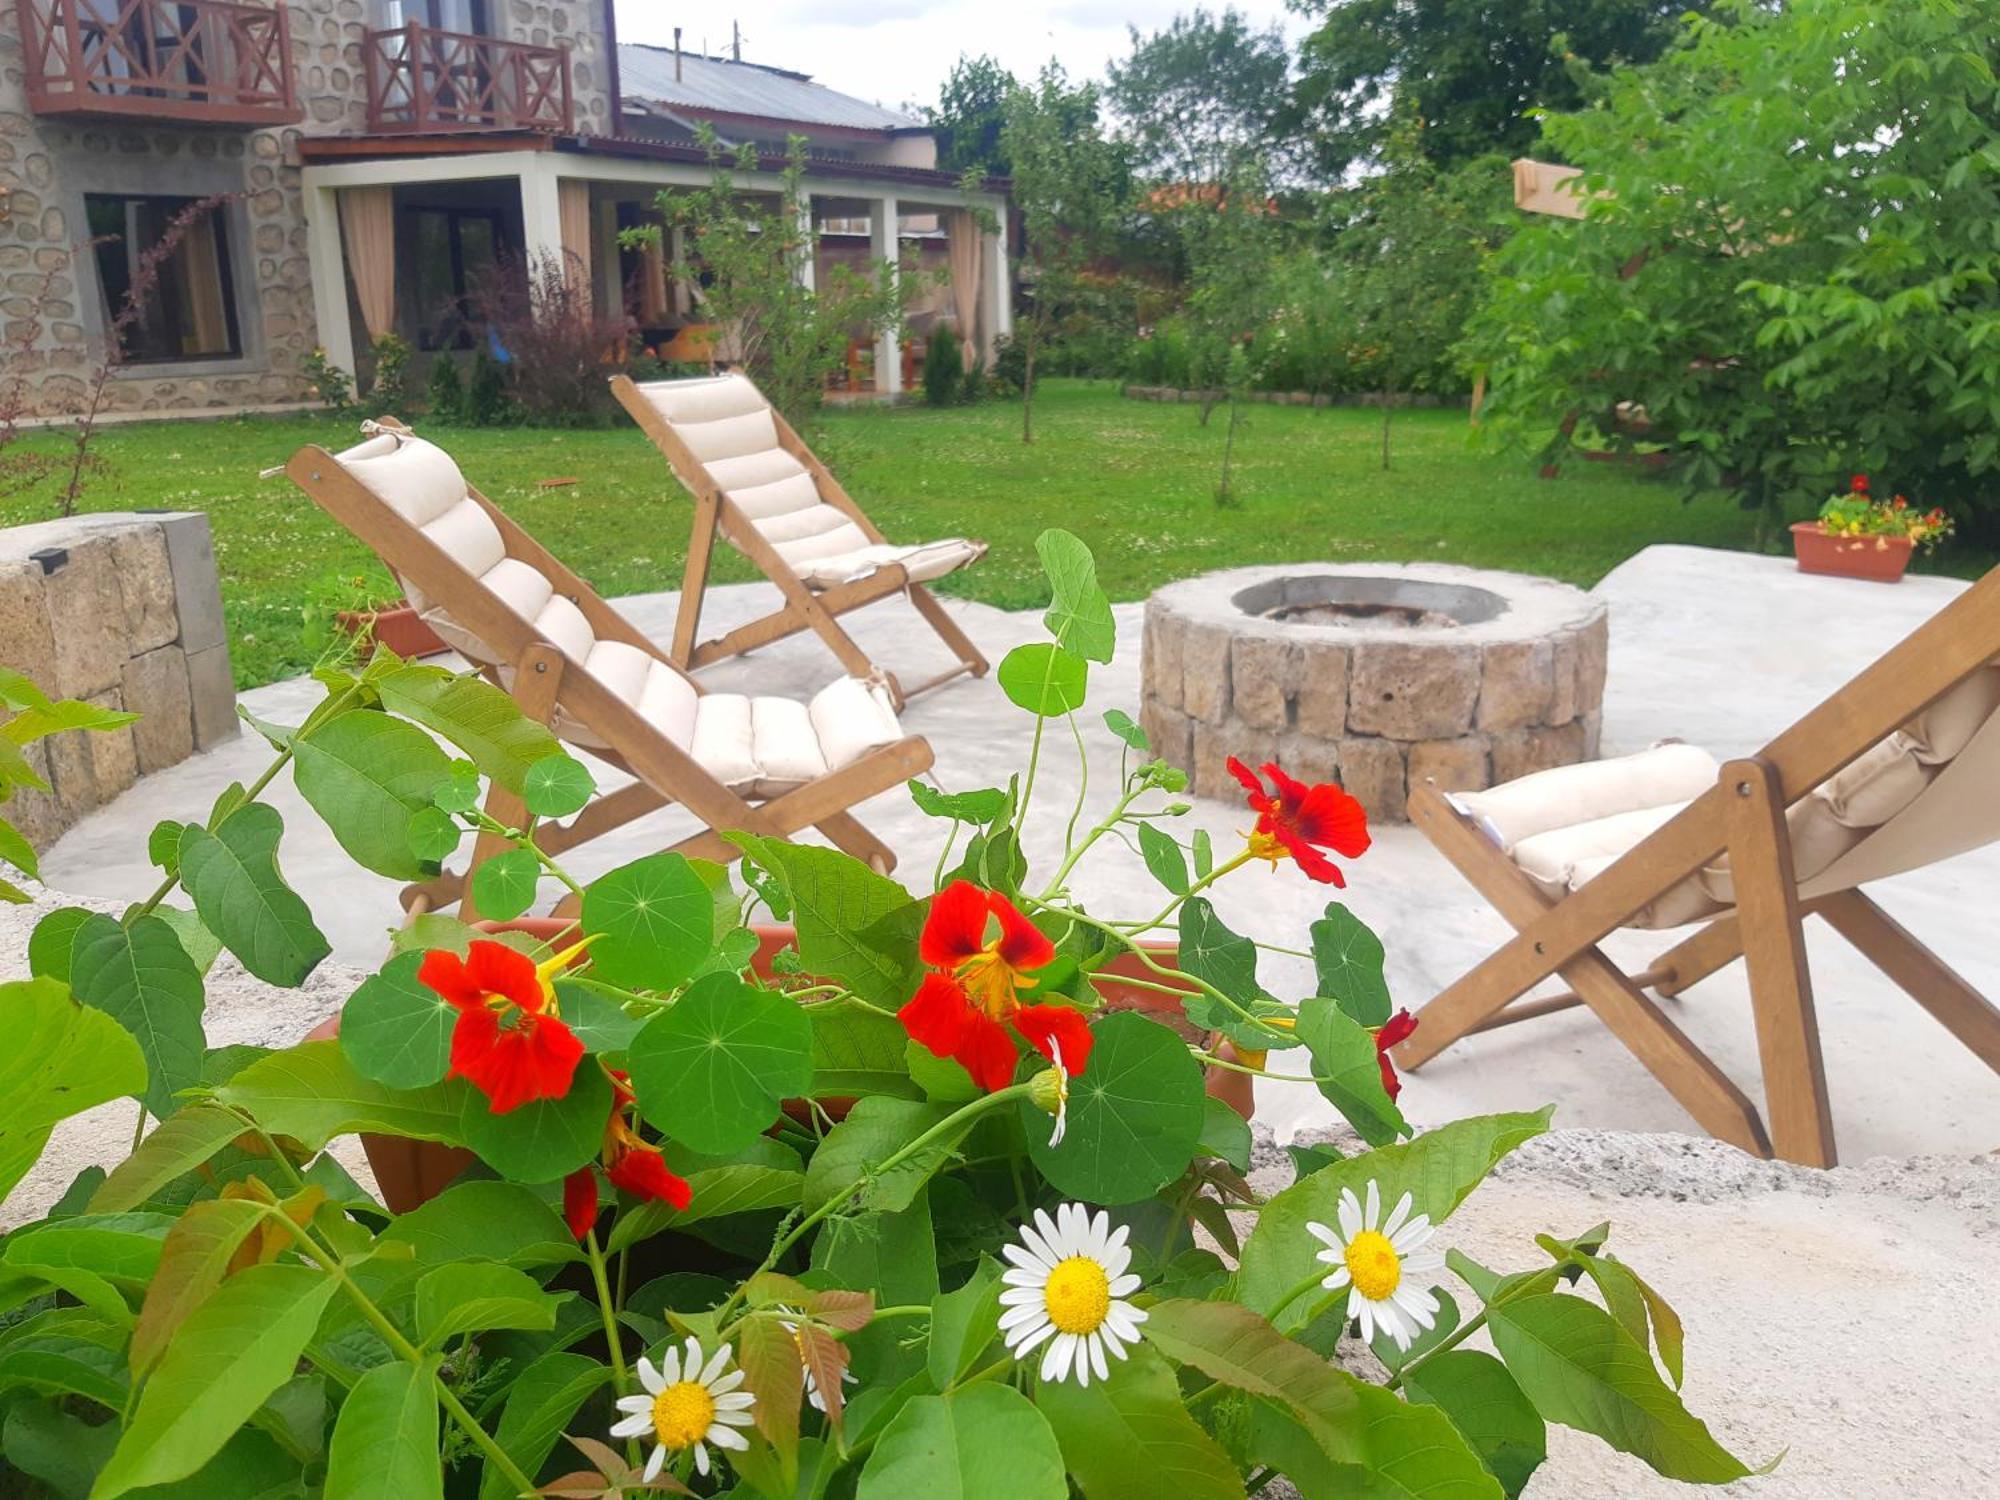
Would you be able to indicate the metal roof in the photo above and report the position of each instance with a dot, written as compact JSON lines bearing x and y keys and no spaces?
{"x":737,"y":88}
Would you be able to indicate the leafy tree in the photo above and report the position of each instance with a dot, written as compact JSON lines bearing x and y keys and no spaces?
{"x":969,"y":115}
{"x":1788,"y":267}
{"x":1203,"y":96}
{"x":1070,"y":185}
{"x":1471,"y":70}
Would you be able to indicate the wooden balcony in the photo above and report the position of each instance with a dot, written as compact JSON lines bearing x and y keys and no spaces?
{"x":425,"y":81}
{"x":211,"y":62}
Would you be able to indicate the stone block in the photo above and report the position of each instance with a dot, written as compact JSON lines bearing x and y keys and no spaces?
{"x":156,"y":688}
{"x":27,"y":645}
{"x":1171,"y":732}
{"x":38,"y":815}
{"x":1322,"y":691}
{"x":146,"y":583}
{"x":1562,"y":697}
{"x":1593,"y":651}
{"x":1516,"y":684}
{"x":212,"y":697}
{"x":87,"y":768}
{"x":1263,"y":675}
{"x":1519,"y":752}
{"x":87,"y":617}
{"x":1372,"y":772}
{"x":197,"y":590}
{"x":1412,"y":692}
{"x":1461,"y":765}
{"x":1309,"y":758}
{"x":1215,"y":743}
{"x":1160,"y":655}
{"x":1205,"y":673}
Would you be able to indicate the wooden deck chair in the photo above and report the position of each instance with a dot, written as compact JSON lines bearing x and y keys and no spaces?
{"x":770,"y":766}
{"x":757,"y":486}
{"x":1897,"y":770}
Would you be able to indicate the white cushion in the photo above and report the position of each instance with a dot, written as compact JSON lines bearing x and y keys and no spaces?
{"x":703,"y":400}
{"x":729,"y":437}
{"x":850,"y":718}
{"x":1569,"y":795}
{"x":754,"y":469}
{"x":923,"y":562}
{"x":1941,"y":731}
{"x":780,"y":497}
{"x":810,"y":524}
{"x":418,"y":480}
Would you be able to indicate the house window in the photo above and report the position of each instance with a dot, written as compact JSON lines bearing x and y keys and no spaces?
{"x":444,"y":15}
{"x":190,"y":313}
{"x":454,"y":252}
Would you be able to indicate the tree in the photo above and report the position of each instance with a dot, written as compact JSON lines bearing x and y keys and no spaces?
{"x":1471,"y":70}
{"x":969,"y":115}
{"x":1070,"y":184}
{"x":1787,"y":271}
{"x":1203,"y":96}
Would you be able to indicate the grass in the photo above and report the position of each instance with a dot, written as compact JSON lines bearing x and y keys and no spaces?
{"x":1134,"y":479}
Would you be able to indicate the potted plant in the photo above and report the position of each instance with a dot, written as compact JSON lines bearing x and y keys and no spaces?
{"x":372,"y":616}
{"x":909,"y":1208}
{"x":1858,"y":536}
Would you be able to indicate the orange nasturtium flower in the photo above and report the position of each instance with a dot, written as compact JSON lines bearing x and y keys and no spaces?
{"x":1300,"y":820}
{"x":966,"y":1006}
{"x":508,"y":1042}
{"x":628,"y":1161}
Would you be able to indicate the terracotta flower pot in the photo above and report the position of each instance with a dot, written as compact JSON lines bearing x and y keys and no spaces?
{"x":398,"y":627}
{"x":1878,"y":559}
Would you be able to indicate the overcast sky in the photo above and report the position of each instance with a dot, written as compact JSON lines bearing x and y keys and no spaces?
{"x":898,"y":52}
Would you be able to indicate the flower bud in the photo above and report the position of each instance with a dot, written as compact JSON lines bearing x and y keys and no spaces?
{"x":1048,"y":1090}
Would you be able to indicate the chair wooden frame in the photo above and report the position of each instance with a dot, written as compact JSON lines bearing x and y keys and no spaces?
{"x":717,"y":517}
{"x":1744,"y":815}
{"x":547,"y":684}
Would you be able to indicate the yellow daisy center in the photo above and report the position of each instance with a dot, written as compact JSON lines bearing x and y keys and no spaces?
{"x":682,"y":1413}
{"x":1078,"y":1295}
{"x":1374,"y":1264}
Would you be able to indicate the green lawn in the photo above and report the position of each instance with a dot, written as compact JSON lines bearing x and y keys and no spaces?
{"x":1134,"y":479}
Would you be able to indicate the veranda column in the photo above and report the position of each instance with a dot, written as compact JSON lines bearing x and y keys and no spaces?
{"x":610,"y":298}
{"x":808,"y":266}
{"x":328,"y":257}
{"x":998,"y":288}
{"x":884,"y":220}
{"x":541,"y":215}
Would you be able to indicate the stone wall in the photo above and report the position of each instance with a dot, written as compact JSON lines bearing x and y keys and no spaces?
{"x":49,"y":297}
{"x":121,"y":610}
{"x":1469,"y":707}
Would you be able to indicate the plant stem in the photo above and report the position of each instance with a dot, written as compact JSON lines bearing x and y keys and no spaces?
{"x":612,"y":1341}
{"x":1135,"y":928}
{"x":1295,"y":1293}
{"x":1459,"y":1335}
{"x":1111,"y":821}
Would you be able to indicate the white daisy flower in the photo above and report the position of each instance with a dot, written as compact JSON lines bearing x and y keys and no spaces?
{"x":1048,"y":1091}
{"x":1381,"y":1259}
{"x":1065,"y":1285}
{"x":687,"y":1404}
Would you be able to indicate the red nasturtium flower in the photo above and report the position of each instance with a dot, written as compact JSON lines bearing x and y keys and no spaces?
{"x":1858,"y":484}
{"x":965,"y":1007}
{"x":628,"y":1161}
{"x":508,"y":1042}
{"x":1300,"y":820}
{"x":1393,"y":1031}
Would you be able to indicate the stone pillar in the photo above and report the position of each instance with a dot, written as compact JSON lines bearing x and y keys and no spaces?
{"x":884,"y":224}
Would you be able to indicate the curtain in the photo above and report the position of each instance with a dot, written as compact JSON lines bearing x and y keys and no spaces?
{"x":199,"y":266}
{"x":967,"y":243}
{"x":573,"y":214}
{"x":652,"y":284}
{"x":368,"y":234}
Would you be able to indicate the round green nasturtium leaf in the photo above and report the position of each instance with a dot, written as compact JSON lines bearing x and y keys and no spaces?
{"x":434,"y":835}
{"x":1135,"y":1115}
{"x":654,"y":921}
{"x":547,"y":1139}
{"x":397,"y":1030}
{"x":1044,"y":679}
{"x":556,"y":786}
{"x":713,"y":1071}
{"x":459,"y":791}
{"x":504,"y":886}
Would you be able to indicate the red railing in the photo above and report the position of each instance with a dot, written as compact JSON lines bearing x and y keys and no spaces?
{"x":423,"y":80}
{"x":213,"y":62}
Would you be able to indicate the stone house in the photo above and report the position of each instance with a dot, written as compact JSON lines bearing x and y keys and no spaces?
{"x":373,"y":156}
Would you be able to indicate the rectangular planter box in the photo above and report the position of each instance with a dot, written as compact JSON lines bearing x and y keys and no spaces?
{"x":1878,"y":559}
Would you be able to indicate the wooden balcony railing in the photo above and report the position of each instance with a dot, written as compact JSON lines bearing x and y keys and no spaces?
{"x":213,"y":62}
{"x":424,"y":80}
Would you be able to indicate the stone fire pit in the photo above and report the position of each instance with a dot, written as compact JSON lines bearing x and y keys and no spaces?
{"x":1374,"y":675}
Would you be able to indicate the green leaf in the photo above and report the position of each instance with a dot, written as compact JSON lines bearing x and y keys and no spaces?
{"x":232,"y":1352}
{"x":39,"y":721}
{"x":97,"y":1258}
{"x":433,"y":836}
{"x":654,"y":921}
{"x":313,"y":1093}
{"x":1347,"y":960}
{"x":386,"y":1439}
{"x":713,"y":1071}
{"x":1204,"y":854}
{"x":539,"y":1406}
{"x":1224,"y":1133}
{"x":964,"y":1324}
{"x":985,"y":1442}
{"x":981,"y":806}
{"x":61,"y":1058}
{"x":1437,"y":1169}
{"x":856,"y":1052}
{"x":1582,"y":1370}
{"x":53,"y":940}
{"x":1347,"y":1071}
{"x":1080,"y":616}
{"x":715,"y":1193}
{"x":1488,"y":1408}
{"x":68,"y":1350}
{"x":1045,"y":679}
{"x":193,"y":1260}
{"x":143,"y":979}
{"x":1395,"y":1358}
{"x":484,"y":1220}
{"x":1227,"y":961}
{"x":595,"y":1012}
{"x":1163,"y":858}
{"x":1120,"y":723}
{"x":180,"y":1143}
{"x":232,"y":876}
{"x":875,"y":1129}
{"x":1135,"y":1115}
{"x":1131,"y":1438}
{"x":556,"y":786}
{"x":474,"y":715}
{"x":203,"y":947}
{"x":17,"y":851}
{"x":854,"y":925}
{"x":471,"y":1296}
{"x":504,"y":886}
{"x":545,"y":1138}
{"x":397,"y":1030}
{"x":367,"y":774}
{"x":45,"y":1442}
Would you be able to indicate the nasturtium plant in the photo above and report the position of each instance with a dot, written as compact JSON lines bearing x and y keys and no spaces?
{"x":902,"y":1190}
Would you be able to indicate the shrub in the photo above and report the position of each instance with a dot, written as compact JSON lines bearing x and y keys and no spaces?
{"x":445,"y":395}
{"x":390,"y":393}
{"x":327,"y":380}
{"x":560,"y":351}
{"x":944,"y":367}
{"x":1010,"y":366}
{"x":486,"y":403}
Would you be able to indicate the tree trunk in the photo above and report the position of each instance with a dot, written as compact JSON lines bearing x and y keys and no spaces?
{"x":1388,"y":411}
{"x":1223,"y":496}
{"x":1028,"y":392}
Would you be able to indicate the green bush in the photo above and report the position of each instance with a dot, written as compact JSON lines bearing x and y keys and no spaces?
{"x":944,"y":367}
{"x":486,"y":400}
{"x":390,"y":394}
{"x":445,"y":395}
{"x":1010,"y":365}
